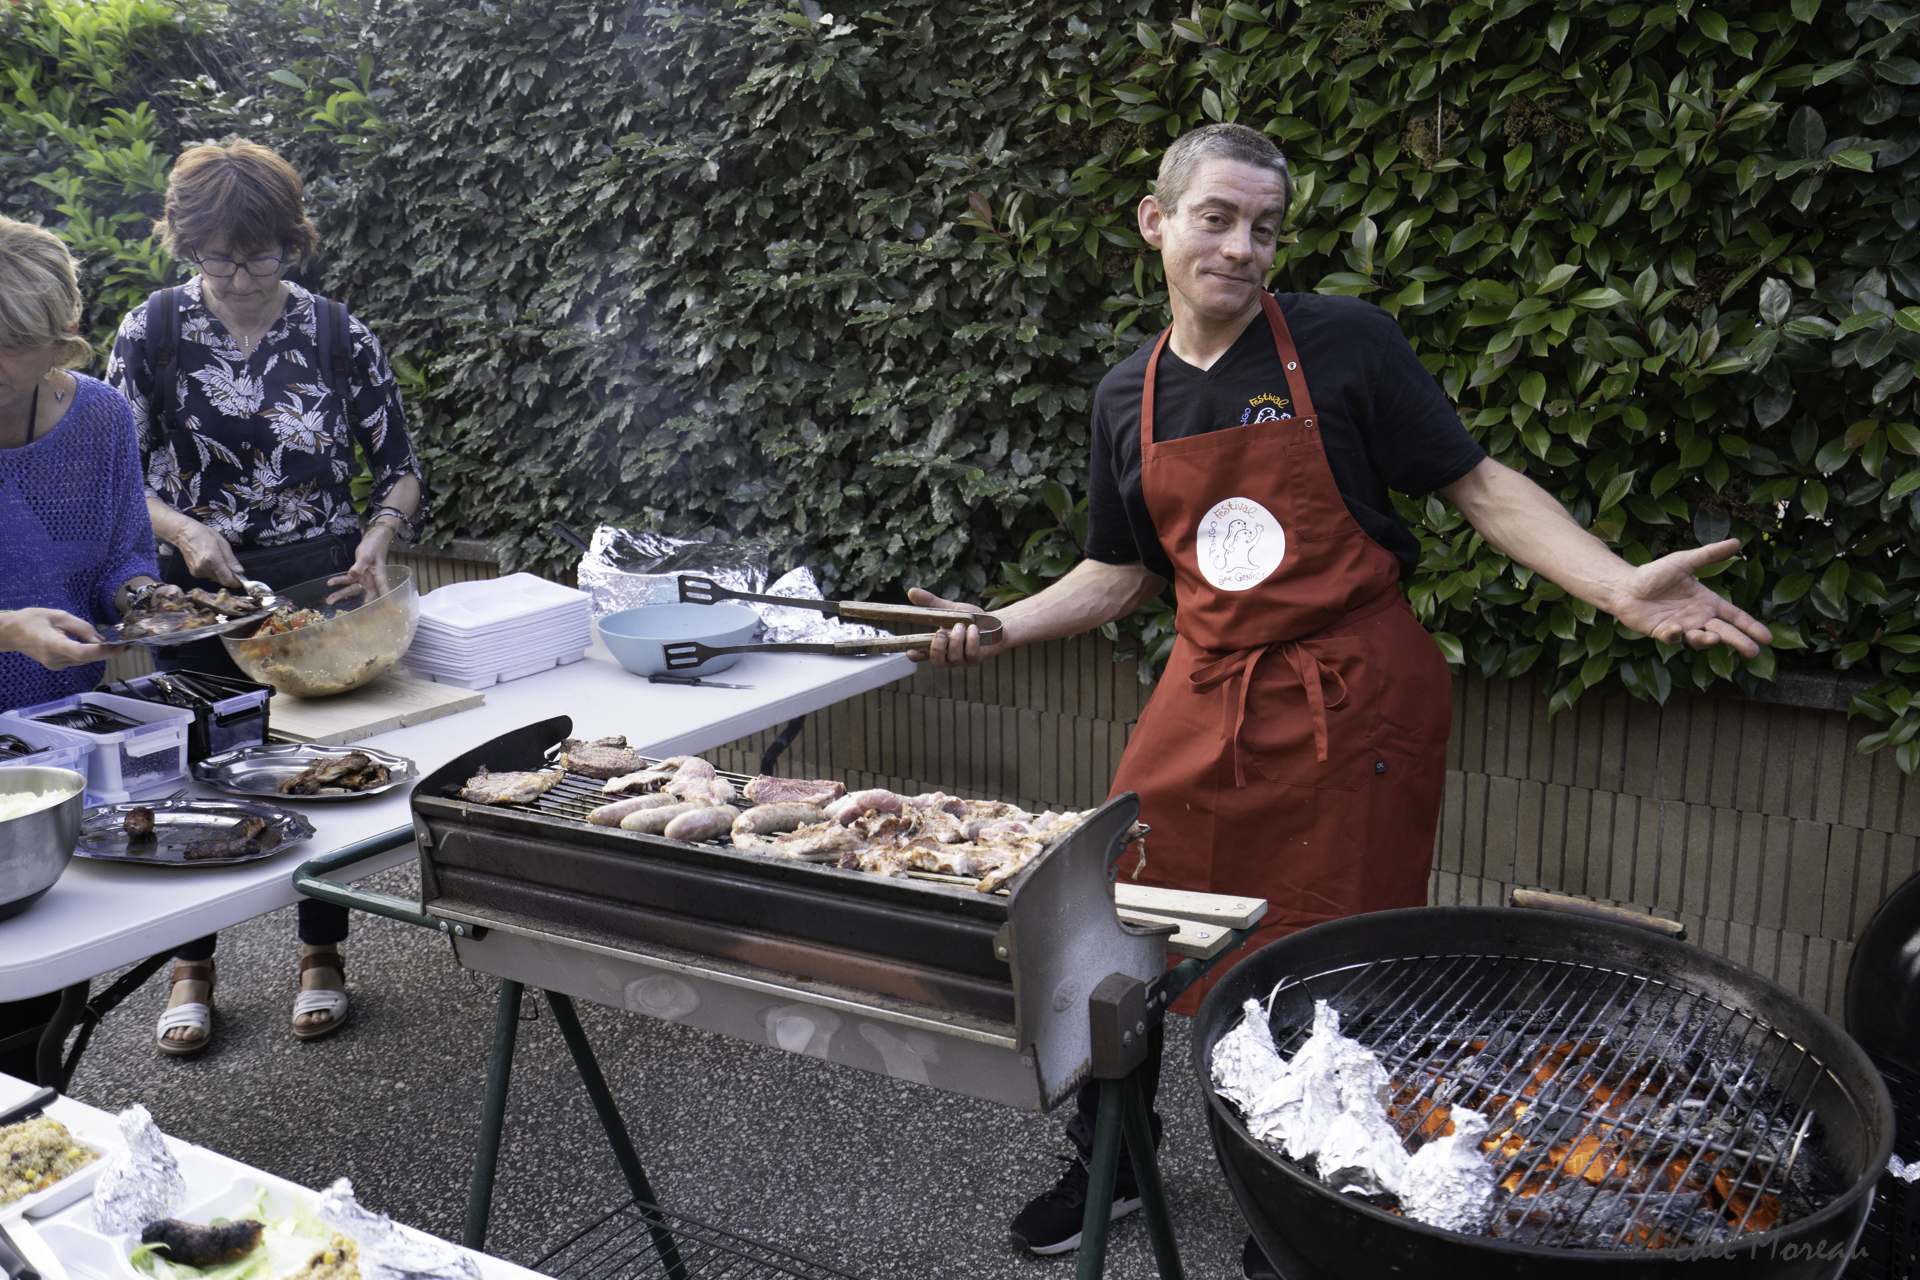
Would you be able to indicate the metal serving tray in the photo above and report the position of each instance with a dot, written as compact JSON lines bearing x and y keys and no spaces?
{"x":259,"y":771}
{"x":179,"y":823}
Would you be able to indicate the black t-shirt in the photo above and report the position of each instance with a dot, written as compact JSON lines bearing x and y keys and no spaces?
{"x":1383,"y":419}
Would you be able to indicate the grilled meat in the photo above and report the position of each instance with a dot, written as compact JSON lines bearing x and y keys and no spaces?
{"x":227,"y":847}
{"x":815,"y":842}
{"x":765,"y":790}
{"x":609,"y":815}
{"x":510,"y":788}
{"x":192,"y":1245}
{"x":139,"y":823}
{"x":713,"y":790}
{"x":601,"y":758}
{"x":654,"y":821}
{"x":765,"y":819}
{"x":169,"y":609}
{"x":355,"y":771}
{"x":703,"y":823}
{"x":224,"y":602}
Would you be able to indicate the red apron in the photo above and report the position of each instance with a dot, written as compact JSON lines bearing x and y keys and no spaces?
{"x":1294,"y":747}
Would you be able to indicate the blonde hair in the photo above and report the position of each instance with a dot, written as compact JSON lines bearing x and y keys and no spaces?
{"x":39,"y":293}
{"x":239,"y":192}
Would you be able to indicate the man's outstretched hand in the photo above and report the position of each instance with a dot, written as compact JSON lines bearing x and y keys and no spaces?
{"x":1664,"y":600}
{"x":956,"y":646}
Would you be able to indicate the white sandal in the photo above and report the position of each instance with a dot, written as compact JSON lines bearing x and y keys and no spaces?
{"x":331,"y":1003}
{"x":194,"y":1015}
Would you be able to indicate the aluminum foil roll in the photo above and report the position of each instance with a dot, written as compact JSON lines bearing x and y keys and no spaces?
{"x":140,"y":1184}
{"x":805,"y":626}
{"x":625,"y":568}
{"x":386,"y":1251}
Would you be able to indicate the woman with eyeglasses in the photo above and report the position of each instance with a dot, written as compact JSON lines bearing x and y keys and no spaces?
{"x":251,"y":393}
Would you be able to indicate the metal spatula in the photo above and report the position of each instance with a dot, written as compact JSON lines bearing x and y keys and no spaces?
{"x":698,"y":590}
{"x":691,"y":653}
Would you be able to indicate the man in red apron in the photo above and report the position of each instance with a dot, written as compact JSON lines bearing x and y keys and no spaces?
{"x":1294,"y":747}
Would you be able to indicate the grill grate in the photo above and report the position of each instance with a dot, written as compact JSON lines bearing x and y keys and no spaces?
{"x":1626,"y":1113}
{"x":622,"y":1246}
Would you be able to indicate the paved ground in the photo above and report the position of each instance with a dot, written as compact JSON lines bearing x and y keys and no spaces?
{"x":877,"y":1177}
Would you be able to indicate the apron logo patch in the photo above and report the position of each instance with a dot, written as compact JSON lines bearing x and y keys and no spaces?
{"x":1240,"y":544}
{"x":1266,"y":407}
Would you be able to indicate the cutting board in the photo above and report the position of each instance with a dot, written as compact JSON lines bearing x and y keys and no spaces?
{"x":391,"y":702}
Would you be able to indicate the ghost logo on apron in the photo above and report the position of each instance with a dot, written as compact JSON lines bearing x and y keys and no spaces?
{"x":1241,"y":544}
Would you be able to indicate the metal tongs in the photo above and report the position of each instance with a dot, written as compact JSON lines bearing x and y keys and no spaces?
{"x":691,"y":653}
{"x":699,"y":590}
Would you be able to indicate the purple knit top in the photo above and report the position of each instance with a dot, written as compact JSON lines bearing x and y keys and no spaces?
{"x":73,"y":529}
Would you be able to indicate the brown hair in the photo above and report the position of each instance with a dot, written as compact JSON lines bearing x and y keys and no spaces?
{"x":239,"y":192}
{"x":1181,"y":162}
{"x":39,"y":293}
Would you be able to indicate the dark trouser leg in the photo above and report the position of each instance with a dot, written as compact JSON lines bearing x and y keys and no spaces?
{"x":322,"y":924}
{"x":21,"y":1021}
{"x":198,"y":951}
{"x":1080,"y":1129}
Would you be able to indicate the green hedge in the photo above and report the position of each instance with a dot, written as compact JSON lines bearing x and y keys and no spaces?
{"x":1663,"y":257}
{"x":847,"y":280}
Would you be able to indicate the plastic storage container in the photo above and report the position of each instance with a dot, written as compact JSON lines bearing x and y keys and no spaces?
{"x":126,"y":763}
{"x":65,"y":749}
{"x":239,"y":721}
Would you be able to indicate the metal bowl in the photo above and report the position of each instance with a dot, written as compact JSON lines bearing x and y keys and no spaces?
{"x":355,"y":644}
{"x":35,"y":847}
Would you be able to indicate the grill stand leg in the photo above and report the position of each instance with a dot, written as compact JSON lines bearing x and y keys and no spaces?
{"x":617,"y":1136}
{"x":493,"y":1115}
{"x":1138,"y":1128}
{"x":1092,"y":1261}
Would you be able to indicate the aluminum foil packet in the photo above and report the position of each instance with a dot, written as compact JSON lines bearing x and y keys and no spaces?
{"x":139,"y":1184}
{"x":1330,"y":1104}
{"x":386,"y":1251}
{"x":626,"y":568}
{"x":1902,"y":1170}
{"x":1450,"y":1181}
{"x":805,"y":626}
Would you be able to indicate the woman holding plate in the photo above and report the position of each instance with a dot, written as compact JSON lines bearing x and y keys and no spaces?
{"x":251,"y":394}
{"x":73,"y":524}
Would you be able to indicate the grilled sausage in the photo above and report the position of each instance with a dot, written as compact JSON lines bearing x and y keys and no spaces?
{"x":653,"y":821}
{"x":609,"y":815}
{"x":766,"y":819}
{"x":701,"y":824}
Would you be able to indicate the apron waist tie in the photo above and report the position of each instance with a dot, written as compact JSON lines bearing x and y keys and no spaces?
{"x":1311,"y":671}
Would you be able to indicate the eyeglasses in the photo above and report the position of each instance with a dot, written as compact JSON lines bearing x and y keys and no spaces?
{"x":222,"y":268}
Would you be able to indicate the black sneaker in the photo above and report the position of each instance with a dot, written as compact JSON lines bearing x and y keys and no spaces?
{"x":1051,"y":1222}
{"x":1254,"y":1263}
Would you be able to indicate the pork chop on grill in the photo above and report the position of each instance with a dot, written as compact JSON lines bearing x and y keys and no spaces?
{"x":601,"y":758}
{"x":768,"y":790}
{"x":519,"y":787}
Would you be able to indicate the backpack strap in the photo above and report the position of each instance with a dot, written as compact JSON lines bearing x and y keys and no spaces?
{"x":163,"y":355}
{"x":330,"y":327}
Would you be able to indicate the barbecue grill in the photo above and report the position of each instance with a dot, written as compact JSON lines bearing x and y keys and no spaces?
{"x":1656,"y":1110}
{"x":1015,"y":997}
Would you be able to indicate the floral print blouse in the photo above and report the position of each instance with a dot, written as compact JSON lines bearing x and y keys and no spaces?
{"x":258,"y":448}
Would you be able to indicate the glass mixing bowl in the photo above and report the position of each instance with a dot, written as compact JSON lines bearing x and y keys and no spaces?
{"x":351,"y":644}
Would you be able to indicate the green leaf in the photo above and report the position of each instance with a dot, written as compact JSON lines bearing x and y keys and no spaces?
{"x":1557,"y":30}
{"x":1804,"y":10}
{"x":1597,"y":299}
{"x":1450,"y":648}
{"x":286,"y":77}
{"x":1711,"y":25}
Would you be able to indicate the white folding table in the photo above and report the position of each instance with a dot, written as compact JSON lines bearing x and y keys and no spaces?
{"x":101,"y":916}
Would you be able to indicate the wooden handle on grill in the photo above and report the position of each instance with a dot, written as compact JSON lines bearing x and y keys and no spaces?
{"x":1539,"y":901}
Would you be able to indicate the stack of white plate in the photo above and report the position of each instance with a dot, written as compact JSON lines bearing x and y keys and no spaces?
{"x":473,"y":634}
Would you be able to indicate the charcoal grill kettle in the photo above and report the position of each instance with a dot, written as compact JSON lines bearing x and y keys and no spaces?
{"x":1312,"y":1232}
